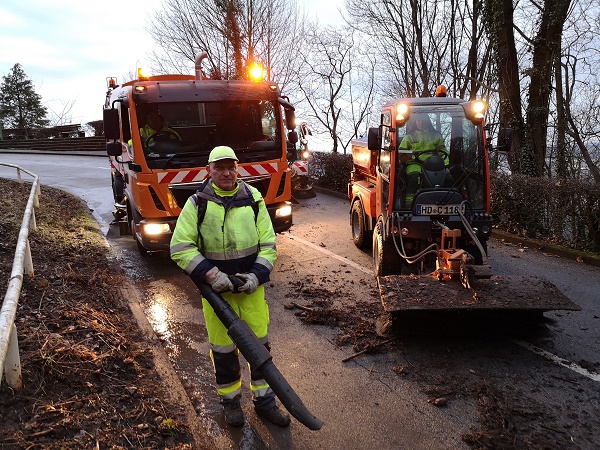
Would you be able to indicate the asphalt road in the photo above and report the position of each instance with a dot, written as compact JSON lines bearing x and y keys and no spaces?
{"x":546,"y":378}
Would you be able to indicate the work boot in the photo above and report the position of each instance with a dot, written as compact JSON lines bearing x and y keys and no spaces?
{"x":234,"y":415}
{"x":275,"y":416}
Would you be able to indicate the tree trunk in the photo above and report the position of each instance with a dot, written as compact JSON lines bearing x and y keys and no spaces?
{"x":501,"y":24}
{"x":545,"y":47}
{"x":561,"y":123}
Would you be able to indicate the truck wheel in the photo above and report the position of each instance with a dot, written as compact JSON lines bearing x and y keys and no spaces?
{"x":117,"y":187}
{"x":474,"y":251}
{"x":134,"y":218}
{"x":360,"y":234}
{"x":386,"y":260}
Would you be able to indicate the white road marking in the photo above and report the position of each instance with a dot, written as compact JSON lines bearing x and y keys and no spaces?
{"x":558,"y":360}
{"x":526,"y":345}
{"x":331,"y":254}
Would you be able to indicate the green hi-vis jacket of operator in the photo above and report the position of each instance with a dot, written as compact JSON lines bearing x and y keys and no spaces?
{"x":419,"y":141}
{"x":235,"y":237}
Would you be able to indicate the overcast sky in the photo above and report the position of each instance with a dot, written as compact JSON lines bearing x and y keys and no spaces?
{"x":68,"y":48}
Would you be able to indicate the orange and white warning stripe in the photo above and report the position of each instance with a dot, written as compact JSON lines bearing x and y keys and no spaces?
{"x":300,"y":167}
{"x":195,"y":175}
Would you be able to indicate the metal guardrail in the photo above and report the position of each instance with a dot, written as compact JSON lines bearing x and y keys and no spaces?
{"x":10,"y":361}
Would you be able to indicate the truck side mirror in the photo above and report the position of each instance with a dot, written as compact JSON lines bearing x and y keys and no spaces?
{"x":114,"y":149}
{"x":504,"y":140}
{"x":111,"y":124}
{"x":373,"y":139}
{"x":292,"y":137}
{"x":290,"y":119}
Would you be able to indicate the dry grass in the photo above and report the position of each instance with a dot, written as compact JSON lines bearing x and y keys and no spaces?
{"x":89,"y":379}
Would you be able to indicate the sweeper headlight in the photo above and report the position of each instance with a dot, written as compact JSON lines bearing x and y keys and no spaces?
{"x":474,"y":111}
{"x":402,"y":114}
{"x":153,"y":229}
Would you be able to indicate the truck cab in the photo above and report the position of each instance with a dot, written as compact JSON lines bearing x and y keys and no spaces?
{"x":405,"y":191}
{"x":154,"y":171}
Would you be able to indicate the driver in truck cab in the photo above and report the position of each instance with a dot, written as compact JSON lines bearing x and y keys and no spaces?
{"x":421,"y":137}
{"x":155,"y":123}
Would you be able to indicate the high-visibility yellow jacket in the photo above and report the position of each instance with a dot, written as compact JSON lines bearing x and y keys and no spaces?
{"x":146,"y":131}
{"x":231,"y":236}
{"x":419,"y":141}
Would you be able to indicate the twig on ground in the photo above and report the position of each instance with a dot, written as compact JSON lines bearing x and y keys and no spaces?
{"x":305,"y":308}
{"x":370,"y":348}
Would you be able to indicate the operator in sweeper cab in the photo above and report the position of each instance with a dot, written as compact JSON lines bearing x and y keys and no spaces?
{"x":423,"y":141}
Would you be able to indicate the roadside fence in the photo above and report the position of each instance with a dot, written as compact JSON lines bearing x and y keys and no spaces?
{"x":10,"y":361}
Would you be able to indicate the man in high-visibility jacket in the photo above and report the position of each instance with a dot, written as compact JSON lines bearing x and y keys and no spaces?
{"x":235,"y":237}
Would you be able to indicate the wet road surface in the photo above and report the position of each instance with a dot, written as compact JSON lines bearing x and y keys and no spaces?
{"x":542,"y":385}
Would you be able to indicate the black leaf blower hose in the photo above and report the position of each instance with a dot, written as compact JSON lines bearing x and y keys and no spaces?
{"x":258,"y":356}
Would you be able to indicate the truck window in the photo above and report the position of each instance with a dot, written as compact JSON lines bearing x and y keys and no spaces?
{"x":462,"y":140}
{"x":193,"y":129}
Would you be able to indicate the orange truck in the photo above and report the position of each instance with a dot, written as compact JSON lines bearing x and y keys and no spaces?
{"x":154,"y":171}
{"x":430,"y":231}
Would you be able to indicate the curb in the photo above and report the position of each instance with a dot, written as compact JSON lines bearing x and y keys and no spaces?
{"x":577,"y":255}
{"x":330,"y":192}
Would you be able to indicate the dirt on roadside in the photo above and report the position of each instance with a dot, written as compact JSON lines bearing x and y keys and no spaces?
{"x":89,"y":379}
{"x":510,"y":415}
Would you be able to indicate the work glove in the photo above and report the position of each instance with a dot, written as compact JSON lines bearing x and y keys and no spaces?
{"x":250,"y":282}
{"x":218,"y":280}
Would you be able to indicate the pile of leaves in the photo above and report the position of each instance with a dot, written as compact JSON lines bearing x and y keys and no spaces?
{"x":356,"y":324}
{"x":89,"y":380}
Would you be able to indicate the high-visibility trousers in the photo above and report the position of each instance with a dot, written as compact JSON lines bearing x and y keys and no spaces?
{"x":253,"y":310}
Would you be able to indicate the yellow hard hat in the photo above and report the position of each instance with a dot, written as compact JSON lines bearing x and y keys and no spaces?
{"x":221,"y":152}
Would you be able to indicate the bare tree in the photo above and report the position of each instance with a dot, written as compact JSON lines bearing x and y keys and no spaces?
{"x":337,"y":83}
{"x":59,"y":112}
{"x":543,"y":43}
{"x":426,"y":43}
{"x":582,"y":124}
{"x":577,"y":90}
{"x":561,"y":122}
{"x":234,"y":33}
{"x":546,"y":46}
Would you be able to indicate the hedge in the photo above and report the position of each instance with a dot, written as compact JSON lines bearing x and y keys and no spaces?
{"x":562,"y":212}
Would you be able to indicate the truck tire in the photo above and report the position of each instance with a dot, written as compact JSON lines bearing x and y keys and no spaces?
{"x":134,"y":218}
{"x":386,"y":260}
{"x":474,"y":251}
{"x":360,"y":235}
{"x":118,"y":187}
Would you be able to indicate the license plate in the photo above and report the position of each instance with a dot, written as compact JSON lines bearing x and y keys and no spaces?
{"x":438,"y":210}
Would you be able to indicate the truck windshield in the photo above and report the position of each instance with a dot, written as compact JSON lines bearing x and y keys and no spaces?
{"x":183,"y":134}
{"x":463,"y":142}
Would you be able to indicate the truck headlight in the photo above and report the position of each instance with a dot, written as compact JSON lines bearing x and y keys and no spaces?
{"x":285,"y":210}
{"x":156,"y":228}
